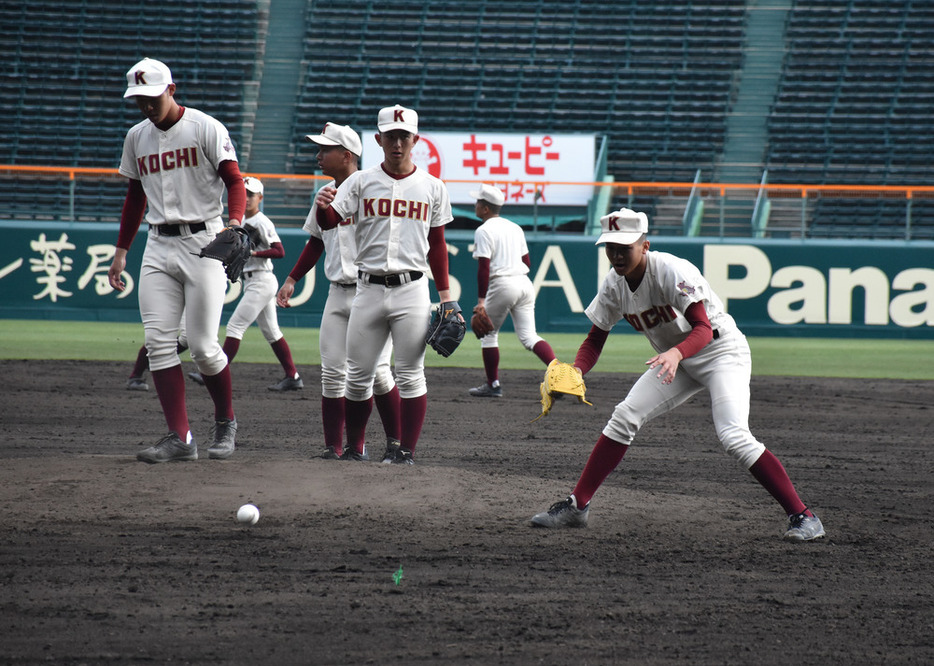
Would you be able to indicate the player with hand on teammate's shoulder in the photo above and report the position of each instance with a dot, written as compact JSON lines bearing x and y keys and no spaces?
{"x":339,"y":149}
{"x":179,"y":162}
{"x":400,"y":212}
{"x":699,"y":347}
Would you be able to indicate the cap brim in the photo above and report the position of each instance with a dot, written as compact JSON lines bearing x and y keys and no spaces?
{"x":398,"y":126}
{"x":145,"y":91}
{"x":322,"y":140}
{"x":620,"y":237}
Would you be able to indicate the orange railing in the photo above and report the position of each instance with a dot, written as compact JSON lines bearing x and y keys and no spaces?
{"x":726,"y":205}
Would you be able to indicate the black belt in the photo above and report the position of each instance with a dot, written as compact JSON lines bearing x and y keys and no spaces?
{"x":393,"y":280}
{"x":716,"y":334}
{"x":345,"y":285}
{"x":176,"y":229}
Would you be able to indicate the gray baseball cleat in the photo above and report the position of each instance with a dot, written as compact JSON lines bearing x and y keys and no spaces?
{"x":168,"y":449}
{"x":804,"y":528}
{"x":136,"y":384}
{"x":487,"y":391}
{"x":562,"y":514}
{"x":288,"y":384}
{"x":392,"y":445}
{"x":223,"y":436}
{"x":330,"y":454}
{"x":196,"y":378}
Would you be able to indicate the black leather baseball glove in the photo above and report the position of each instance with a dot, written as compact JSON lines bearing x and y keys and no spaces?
{"x":446,"y":329}
{"x":231,"y":247}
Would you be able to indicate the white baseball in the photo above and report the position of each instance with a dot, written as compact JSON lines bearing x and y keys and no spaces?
{"x":248,"y":514}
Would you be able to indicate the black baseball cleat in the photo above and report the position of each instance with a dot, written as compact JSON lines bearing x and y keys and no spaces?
{"x":223,"y":438}
{"x":392,"y":445}
{"x":169,"y":449}
{"x":196,"y":378}
{"x":330,"y":454}
{"x":351,"y":453}
{"x":403,"y":457}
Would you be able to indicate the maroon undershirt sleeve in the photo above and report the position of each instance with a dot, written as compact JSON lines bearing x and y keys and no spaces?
{"x":327,"y":218}
{"x":312,"y":251}
{"x":438,"y":257}
{"x":701,"y":332}
{"x":275,"y":251}
{"x":483,"y":276}
{"x":132,"y":216}
{"x":590,"y":349}
{"x":229,"y":171}
{"x":526,"y":260}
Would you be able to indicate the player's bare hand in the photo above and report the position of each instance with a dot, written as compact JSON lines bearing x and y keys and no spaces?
{"x":668,"y":361}
{"x":325,"y":196}
{"x":285,"y":293}
{"x":117,"y":266}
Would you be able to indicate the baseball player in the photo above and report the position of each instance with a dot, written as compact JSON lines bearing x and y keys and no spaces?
{"x":698,"y":347}
{"x":503,"y":286}
{"x":399,"y":215}
{"x":180,"y":161}
{"x":339,"y":148}
{"x":258,"y":302}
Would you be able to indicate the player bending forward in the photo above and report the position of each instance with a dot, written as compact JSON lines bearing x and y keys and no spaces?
{"x":258,"y":302}
{"x":699,"y":347}
{"x":339,"y":148}
{"x":180,"y":161}
{"x":503,"y":286}
{"x":399,"y":212}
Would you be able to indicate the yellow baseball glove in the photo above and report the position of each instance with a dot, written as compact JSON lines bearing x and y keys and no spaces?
{"x":561,"y":378}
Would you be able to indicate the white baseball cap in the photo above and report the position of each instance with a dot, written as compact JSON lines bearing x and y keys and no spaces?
{"x":397,"y":118}
{"x":254,"y":185}
{"x":148,"y":77}
{"x":489,"y":194}
{"x":623,"y":227}
{"x":338,"y":135}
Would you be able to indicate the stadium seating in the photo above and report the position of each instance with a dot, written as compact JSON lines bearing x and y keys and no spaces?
{"x":852,"y":105}
{"x":654,"y":77}
{"x":63,"y":81}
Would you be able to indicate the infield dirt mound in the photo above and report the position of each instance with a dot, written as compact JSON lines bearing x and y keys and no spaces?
{"x":107,"y":560}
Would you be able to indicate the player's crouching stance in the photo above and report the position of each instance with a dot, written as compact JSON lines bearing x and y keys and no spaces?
{"x":179,"y":161}
{"x":699,"y":347}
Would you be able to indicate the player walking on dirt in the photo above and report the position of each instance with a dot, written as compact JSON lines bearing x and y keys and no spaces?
{"x":400,"y":212}
{"x":503,"y":286}
{"x":258,"y":302}
{"x":179,"y":161}
{"x":339,"y":148}
{"x":698,"y":347}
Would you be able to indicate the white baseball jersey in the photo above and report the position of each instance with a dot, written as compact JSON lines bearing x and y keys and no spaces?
{"x":178,"y":167}
{"x":656,"y":308}
{"x":393,"y":217}
{"x":501,"y":241}
{"x":340,"y":246}
{"x":265,"y":236}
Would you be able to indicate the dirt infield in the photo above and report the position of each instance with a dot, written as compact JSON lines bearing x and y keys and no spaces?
{"x":107,"y":560}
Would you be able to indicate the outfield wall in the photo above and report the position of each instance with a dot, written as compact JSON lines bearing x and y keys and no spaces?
{"x":881,"y":289}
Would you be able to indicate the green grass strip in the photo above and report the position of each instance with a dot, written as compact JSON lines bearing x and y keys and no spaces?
{"x":796,"y":357}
